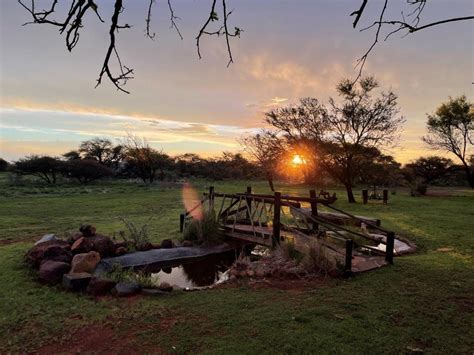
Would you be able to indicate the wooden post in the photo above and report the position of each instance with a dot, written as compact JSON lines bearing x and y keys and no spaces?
{"x":211,"y":198}
{"x":365,"y":196}
{"x":314,"y":209}
{"x":385,"y":196}
{"x":276,"y":219}
{"x":389,"y":247}
{"x":248,"y":201}
{"x":181,"y":222}
{"x":348,"y":266}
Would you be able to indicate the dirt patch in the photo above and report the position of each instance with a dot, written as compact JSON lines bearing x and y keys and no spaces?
{"x":295,"y":285}
{"x":100,"y":339}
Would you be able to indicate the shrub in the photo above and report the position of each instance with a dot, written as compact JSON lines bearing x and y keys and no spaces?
{"x":119,"y":274}
{"x":207,"y":230}
{"x":137,"y":236}
{"x":3,"y":165}
{"x":317,"y":260}
{"x":289,"y":252}
{"x":85,"y":170}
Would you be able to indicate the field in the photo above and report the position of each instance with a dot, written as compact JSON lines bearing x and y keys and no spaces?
{"x":423,"y":302}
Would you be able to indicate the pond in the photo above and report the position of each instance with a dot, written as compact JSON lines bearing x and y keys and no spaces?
{"x":198,"y":273}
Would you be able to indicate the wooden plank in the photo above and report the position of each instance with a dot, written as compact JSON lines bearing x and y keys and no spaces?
{"x":250,"y":238}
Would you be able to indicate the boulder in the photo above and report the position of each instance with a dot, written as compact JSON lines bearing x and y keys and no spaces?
{"x":167,"y":244}
{"x":55,"y":250}
{"x":120,"y":251}
{"x":76,"y":281}
{"x":74,"y":237}
{"x":85,"y":262}
{"x":164,"y":286}
{"x":100,"y":286}
{"x":124,"y":289}
{"x":46,"y":238}
{"x":187,"y":243}
{"x":87,"y":230}
{"x":103,"y":245}
{"x":82,"y":245}
{"x":51,"y":272}
{"x":145,"y":247}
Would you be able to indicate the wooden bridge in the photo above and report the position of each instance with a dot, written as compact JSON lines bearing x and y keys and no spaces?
{"x":357,"y":242}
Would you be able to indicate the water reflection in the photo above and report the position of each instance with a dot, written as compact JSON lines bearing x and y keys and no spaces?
{"x":196,"y":274}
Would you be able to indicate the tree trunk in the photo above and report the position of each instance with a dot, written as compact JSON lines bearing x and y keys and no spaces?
{"x":270,"y":182}
{"x":469,"y":175}
{"x":350,"y":194}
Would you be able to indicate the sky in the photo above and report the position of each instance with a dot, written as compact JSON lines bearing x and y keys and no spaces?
{"x":288,"y":50}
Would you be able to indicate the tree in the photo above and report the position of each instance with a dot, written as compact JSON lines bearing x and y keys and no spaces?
{"x":341,"y":137}
{"x":451,"y":129}
{"x":142,"y":159}
{"x":3,"y":165}
{"x":85,"y":170}
{"x":380,"y":170}
{"x":266,"y":149}
{"x":71,"y":22}
{"x":430,"y":169}
{"x":72,"y":155}
{"x":101,"y":150}
{"x":44,"y":167}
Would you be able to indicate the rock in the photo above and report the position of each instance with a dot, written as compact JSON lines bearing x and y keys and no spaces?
{"x":164,"y":286}
{"x":167,"y":244}
{"x":87,"y":230}
{"x":82,"y":245}
{"x":55,"y":250}
{"x":100,"y":286}
{"x":250,"y":273}
{"x":74,"y":237}
{"x":46,"y":238}
{"x":103,"y":245}
{"x":85,"y":262}
{"x":76,"y":281}
{"x":187,"y":243}
{"x":120,"y":251}
{"x":51,"y":272}
{"x":145,"y":247}
{"x":259,"y":273}
{"x":123,"y":289}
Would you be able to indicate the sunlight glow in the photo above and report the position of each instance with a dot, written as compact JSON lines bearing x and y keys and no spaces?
{"x":298,"y":160}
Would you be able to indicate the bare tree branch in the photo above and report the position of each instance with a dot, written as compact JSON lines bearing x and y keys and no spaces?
{"x":173,"y":18}
{"x":148,"y":21}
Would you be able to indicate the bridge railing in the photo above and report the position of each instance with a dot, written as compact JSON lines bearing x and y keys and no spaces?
{"x":265,"y":215}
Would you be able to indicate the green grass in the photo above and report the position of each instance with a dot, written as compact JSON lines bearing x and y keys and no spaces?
{"x":424,"y":301}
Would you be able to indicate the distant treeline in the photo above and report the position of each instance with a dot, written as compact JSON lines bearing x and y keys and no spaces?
{"x":99,"y":158}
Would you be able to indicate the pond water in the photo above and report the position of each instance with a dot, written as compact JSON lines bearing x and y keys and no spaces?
{"x":197,"y":274}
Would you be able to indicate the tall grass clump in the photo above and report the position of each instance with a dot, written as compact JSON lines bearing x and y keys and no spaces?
{"x":207,"y":230}
{"x":136,"y":237}
{"x":119,"y":274}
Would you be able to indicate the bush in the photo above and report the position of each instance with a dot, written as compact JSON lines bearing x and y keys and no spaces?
{"x":137,"y":236}
{"x":207,"y":230}
{"x":3,"y":165}
{"x":86,"y":170}
{"x":316,"y":260}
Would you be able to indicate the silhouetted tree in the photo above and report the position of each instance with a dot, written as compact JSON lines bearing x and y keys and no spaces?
{"x":451,"y":128}
{"x":142,"y":159}
{"x":266,"y":148}
{"x":3,"y":165}
{"x":430,"y":169}
{"x":72,"y":155}
{"x":44,"y":167}
{"x":341,"y":136}
{"x":85,"y":170}
{"x":380,"y":170}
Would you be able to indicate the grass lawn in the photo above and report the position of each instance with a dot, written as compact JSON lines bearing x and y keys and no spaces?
{"x":425,"y":301}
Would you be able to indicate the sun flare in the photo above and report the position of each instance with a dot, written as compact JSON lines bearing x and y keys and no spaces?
{"x":297,"y":160}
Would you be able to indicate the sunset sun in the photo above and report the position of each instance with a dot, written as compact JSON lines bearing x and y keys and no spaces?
{"x":297,"y":160}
